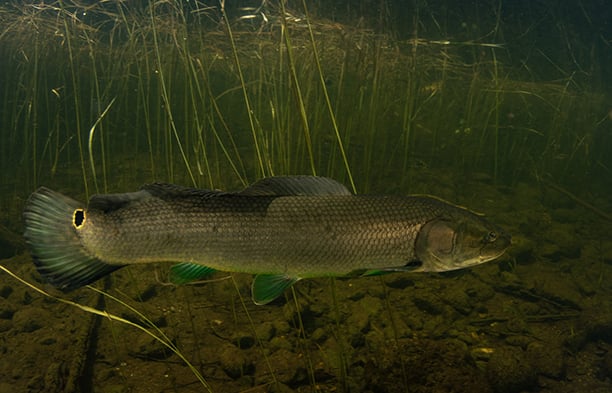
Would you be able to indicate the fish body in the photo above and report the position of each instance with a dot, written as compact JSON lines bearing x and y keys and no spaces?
{"x":282,"y":229}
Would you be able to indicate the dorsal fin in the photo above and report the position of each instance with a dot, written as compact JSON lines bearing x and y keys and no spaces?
{"x":111,"y":202}
{"x":166,"y":190}
{"x":295,"y":185}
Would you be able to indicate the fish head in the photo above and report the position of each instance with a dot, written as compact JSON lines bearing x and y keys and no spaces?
{"x":457,"y":242}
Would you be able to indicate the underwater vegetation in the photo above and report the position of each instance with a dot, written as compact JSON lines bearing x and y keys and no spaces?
{"x":503,"y":108}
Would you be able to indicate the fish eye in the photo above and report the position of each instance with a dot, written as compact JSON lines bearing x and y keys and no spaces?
{"x":491,"y":236}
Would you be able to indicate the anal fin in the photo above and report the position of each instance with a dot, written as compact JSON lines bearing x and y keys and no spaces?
{"x":185,"y":272}
{"x":267,"y":287}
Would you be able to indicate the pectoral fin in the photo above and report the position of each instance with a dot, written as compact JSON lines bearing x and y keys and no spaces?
{"x":267,"y":287}
{"x":185,"y":272}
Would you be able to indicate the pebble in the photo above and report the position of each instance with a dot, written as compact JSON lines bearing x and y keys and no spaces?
{"x":289,"y":369}
{"x":5,"y":291}
{"x":510,"y":371}
{"x":548,"y":360}
{"x":234,"y":362}
{"x":265,"y":331}
{"x":147,"y":293}
{"x":400,"y":282}
{"x":606,"y":366}
{"x":430,"y":306}
{"x":243,"y":340}
{"x":458,"y":299}
{"x":523,"y":249}
{"x":30,"y":319}
{"x":150,"y":348}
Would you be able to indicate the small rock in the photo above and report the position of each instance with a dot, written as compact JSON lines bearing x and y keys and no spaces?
{"x":243,"y":340}
{"x":147,"y":293}
{"x":48,"y":341}
{"x":319,"y":335}
{"x":560,"y":292}
{"x":481,"y":293}
{"x":30,"y":319}
{"x":429,"y":306}
{"x":606,"y":366}
{"x":518,"y":341}
{"x":6,"y":309}
{"x":400,"y":282}
{"x":516,"y":325}
{"x":548,"y":360}
{"x":265,"y":331}
{"x":234,"y":362}
{"x":358,"y":321}
{"x":36,"y":384}
{"x":510,"y":371}
{"x":523,"y":249}
{"x":5,"y":291}
{"x":288,"y":368}
{"x":281,"y":327}
{"x":564,"y":236}
{"x":55,"y":377}
{"x":280,"y":342}
{"x":148,"y":347}
{"x":5,"y":325}
{"x":458,"y":299}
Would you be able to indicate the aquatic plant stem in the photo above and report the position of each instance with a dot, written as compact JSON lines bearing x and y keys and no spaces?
{"x":77,"y":106}
{"x":337,"y":318}
{"x":166,"y":97}
{"x":247,"y":101}
{"x":302,"y":333}
{"x":296,"y":87}
{"x":327,"y":100}
{"x":90,"y":146}
{"x":252,"y":324}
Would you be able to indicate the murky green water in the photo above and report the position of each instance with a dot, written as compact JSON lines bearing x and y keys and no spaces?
{"x":503,"y":108}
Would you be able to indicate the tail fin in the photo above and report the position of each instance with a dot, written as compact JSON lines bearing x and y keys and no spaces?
{"x":54,"y":243}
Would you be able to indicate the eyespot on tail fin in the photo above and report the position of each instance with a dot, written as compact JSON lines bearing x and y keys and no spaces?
{"x":54,"y":244}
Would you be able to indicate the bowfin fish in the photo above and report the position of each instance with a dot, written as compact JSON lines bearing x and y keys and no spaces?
{"x":281,"y":229}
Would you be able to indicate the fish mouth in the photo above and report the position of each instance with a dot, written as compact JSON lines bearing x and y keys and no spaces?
{"x":492,"y":256}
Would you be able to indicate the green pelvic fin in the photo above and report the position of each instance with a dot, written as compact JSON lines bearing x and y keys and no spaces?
{"x":267,"y":287}
{"x":185,"y":272}
{"x":51,"y":234}
{"x":295,"y":185}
